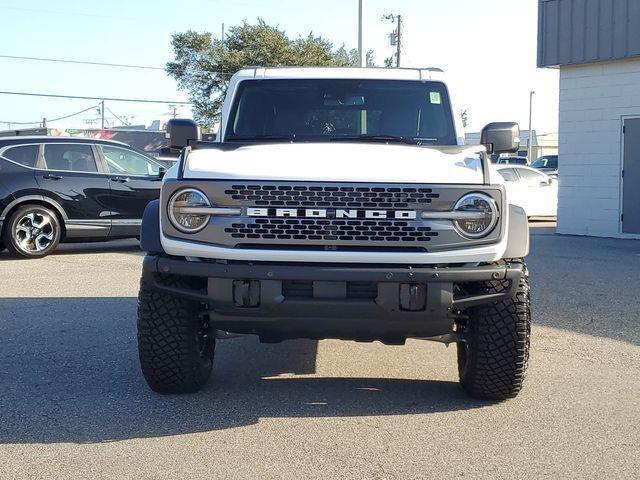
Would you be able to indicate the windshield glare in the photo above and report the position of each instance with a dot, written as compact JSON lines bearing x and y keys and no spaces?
{"x":312,"y":110}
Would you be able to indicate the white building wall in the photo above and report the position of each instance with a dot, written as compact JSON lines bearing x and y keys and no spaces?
{"x":594,"y":99}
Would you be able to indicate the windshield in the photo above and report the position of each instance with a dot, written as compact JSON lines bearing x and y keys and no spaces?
{"x":317,"y":110}
{"x":546,"y":162}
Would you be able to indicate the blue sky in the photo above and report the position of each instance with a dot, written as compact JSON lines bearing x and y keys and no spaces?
{"x":487,"y":48}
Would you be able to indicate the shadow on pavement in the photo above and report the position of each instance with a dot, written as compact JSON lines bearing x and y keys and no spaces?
{"x":111,"y":246}
{"x":69,"y":373}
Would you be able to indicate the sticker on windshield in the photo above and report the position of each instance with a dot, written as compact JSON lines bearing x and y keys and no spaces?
{"x":435,"y":99}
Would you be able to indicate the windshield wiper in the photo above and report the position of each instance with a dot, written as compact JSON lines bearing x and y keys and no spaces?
{"x":261,"y":138}
{"x":376,"y":138}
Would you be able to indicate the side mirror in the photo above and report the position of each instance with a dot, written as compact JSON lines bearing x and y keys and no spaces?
{"x":181,"y":132}
{"x":501,"y":137}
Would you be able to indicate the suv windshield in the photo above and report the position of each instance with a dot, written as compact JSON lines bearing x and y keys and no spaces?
{"x":546,"y":162}
{"x":363,"y":110}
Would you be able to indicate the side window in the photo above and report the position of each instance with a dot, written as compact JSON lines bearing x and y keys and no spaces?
{"x":509,"y":175}
{"x":530,"y":176}
{"x":122,"y":161}
{"x":26,"y":155}
{"x":70,"y":156}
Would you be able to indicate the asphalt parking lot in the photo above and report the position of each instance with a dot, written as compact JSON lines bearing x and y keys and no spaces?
{"x":73,"y":403}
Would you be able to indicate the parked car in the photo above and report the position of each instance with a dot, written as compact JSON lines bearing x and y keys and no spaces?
{"x":512,"y":161}
{"x":547,"y":164}
{"x":55,"y":190}
{"x":534,"y":191}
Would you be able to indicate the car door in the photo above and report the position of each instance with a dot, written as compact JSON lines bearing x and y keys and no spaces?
{"x":71,"y":176}
{"x":134,"y":181}
{"x":542,"y":193}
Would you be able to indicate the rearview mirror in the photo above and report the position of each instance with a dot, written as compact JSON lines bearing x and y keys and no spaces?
{"x":181,"y":132}
{"x":501,"y":137}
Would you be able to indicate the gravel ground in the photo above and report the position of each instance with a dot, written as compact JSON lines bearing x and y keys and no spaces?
{"x":73,"y":403}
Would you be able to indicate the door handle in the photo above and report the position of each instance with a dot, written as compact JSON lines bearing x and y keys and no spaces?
{"x":120,"y":179}
{"x":50,"y":176}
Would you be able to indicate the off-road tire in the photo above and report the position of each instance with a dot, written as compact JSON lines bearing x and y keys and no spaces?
{"x":50,"y":235}
{"x":492,"y":361}
{"x":175,"y":342}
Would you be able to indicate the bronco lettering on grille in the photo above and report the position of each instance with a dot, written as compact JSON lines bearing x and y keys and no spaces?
{"x":331,"y":213}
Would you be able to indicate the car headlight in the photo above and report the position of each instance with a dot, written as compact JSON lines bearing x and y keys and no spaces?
{"x":187,"y":210}
{"x":477,"y":215}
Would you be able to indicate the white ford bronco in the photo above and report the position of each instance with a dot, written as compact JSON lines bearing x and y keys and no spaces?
{"x":336,"y":203}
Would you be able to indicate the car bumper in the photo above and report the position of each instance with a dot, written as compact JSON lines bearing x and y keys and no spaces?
{"x":278,"y":301}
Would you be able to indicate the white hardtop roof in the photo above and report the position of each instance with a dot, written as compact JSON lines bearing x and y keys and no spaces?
{"x":418,"y":74}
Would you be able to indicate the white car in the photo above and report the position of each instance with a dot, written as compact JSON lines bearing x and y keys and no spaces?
{"x":531,"y":189}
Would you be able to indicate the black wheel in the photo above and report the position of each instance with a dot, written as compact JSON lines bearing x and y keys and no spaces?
{"x":493,"y":358}
{"x":175,"y":342}
{"x":33,"y":231}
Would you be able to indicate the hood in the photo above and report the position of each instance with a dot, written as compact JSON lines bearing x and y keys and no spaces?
{"x":338,"y":162}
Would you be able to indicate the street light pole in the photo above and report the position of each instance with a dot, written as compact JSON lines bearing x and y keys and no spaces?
{"x":530,"y":140}
{"x":362,"y":58}
{"x":399,"y":41}
{"x":102,"y":114}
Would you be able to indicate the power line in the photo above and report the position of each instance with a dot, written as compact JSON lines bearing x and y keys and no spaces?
{"x":110,"y":99}
{"x":132,"y":19}
{"x":52,"y":119}
{"x":81,"y":62}
{"x":116,"y":116}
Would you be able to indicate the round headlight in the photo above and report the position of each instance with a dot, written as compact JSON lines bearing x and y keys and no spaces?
{"x":183,"y":210}
{"x":478,"y":215}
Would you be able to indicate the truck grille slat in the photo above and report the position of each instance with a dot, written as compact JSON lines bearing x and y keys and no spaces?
{"x":331,"y":230}
{"x":331,"y":197}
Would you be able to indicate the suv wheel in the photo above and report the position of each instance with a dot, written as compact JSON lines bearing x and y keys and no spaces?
{"x":33,"y":231}
{"x":175,"y":342}
{"x":492,"y":361}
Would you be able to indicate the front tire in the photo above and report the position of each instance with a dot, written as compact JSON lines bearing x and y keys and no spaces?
{"x":33,"y":231}
{"x":175,"y":342}
{"x":493,"y":358}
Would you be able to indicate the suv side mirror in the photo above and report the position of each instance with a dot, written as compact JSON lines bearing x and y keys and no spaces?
{"x":181,"y":132}
{"x":501,"y":137}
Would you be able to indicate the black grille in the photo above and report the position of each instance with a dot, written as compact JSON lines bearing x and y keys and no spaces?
{"x":354,"y":290}
{"x":331,"y":230}
{"x":331,"y":196}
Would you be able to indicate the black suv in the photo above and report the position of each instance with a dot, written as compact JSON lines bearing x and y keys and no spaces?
{"x":71,"y":189}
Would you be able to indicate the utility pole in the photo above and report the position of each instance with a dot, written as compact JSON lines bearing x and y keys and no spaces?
{"x":102,"y":114}
{"x":396,"y":37}
{"x":362,"y":57}
{"x":530,"y":140}
{"x":399,"y":40}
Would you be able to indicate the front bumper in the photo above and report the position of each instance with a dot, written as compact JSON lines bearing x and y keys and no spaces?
{"x":361,"y":302}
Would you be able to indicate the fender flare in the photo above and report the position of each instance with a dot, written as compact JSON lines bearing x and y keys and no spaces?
{"x":150,"y":231}
{"x":519,"y":237}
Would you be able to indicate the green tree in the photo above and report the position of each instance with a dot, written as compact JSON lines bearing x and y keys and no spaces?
{"x":203,"y":65}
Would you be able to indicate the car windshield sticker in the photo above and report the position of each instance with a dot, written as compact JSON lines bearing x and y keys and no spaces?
{"x":434,"y":97}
